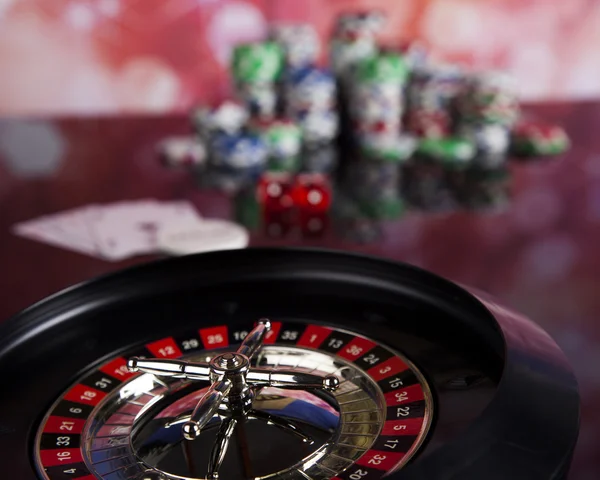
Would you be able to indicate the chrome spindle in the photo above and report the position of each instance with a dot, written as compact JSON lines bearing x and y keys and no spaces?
{"x":254,"y":340}
{"x":206,"y":409}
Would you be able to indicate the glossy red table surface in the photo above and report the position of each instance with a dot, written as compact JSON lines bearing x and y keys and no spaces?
{"x":538,"y":255}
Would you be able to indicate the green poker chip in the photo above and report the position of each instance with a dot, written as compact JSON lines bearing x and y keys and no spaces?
{"x":284,"y":142}
{"x":449,"y":151}
{"x":385,"y":154}
{"x":283,"y":164}
{"x":535,"y":140}
{"x":384,"y":67}
{"x":286,"y":136}
{"x":257,"y":62}
{"x":529,"y":148}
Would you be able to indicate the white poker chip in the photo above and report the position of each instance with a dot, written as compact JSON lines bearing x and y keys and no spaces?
{"x":207,"y":236}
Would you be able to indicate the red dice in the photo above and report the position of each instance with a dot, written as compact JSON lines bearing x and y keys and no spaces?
{"x":312,"y":192}
{"x":275,"y":192}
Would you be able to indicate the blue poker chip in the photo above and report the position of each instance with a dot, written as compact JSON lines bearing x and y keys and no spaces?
{"x":309,"y":77}
{"x":309,"y":89}
{"x":243,"y":151}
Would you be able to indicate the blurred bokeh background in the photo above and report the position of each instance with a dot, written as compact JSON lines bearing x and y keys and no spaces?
{"x":89,"y":57}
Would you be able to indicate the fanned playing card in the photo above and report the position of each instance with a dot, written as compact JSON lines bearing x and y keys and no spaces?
{"x":113,"y":232}
{"x":131,"y":228}
{"x":65,"y":229}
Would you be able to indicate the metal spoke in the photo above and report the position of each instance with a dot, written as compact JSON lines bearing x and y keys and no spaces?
{"x":291,"y":379}
{"x":206,"y":409}
{"x":217,"y":454}
{"x":254,"y":340}
{"x":170,"y":368}
{"x":178,"y":420}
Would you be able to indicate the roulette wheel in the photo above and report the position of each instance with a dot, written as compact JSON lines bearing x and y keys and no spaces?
{"x":281,"y":364}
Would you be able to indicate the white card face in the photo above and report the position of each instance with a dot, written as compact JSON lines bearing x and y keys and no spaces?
{"x":48,"y":230}
{"x":124,"y":229}
{"x":113,"y":232}
{"x":179,"y":212}
{"x":74,"y":224}
{"x":130,"y":228}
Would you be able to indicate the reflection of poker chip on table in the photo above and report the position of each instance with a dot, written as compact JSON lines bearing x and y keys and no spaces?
{"x":382,"y":208}
{"x":247,"y":209}
{"x":482,"y":189}
{"x":320,"y":158}
{"x":427,"y":186}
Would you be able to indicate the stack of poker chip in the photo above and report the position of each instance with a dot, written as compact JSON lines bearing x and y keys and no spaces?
{"x":237,"y":155}
{"x":307,"y":92}
{"x":302,"y":110}
{"x":257,"y":69}
{"x":226,"y":117}
{"x":431,"y":98}
{"x":354,"y":39}
{"x":431,"y":92}
{"x":377,"y":107}
{"x":299,"y":42}
{"x":487,"y":110}
{"x":283,"y":140}
{"x":394,"y":109}
{"x":237,"y":159}
{"x":310,"y":100}
{"x":531,"y":139}
{"x":208,"y":123}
